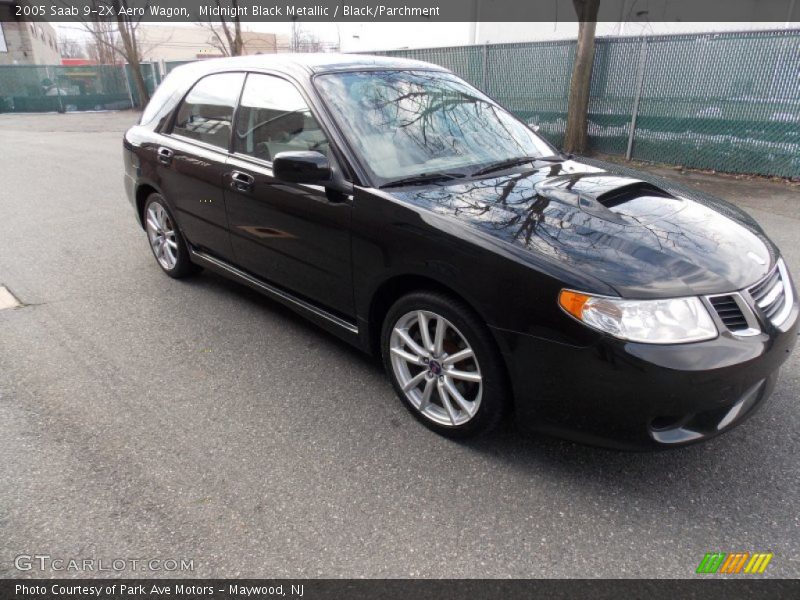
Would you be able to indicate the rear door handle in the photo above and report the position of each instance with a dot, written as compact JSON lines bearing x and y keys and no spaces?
{"x":165,"y":155}
{"x":242,"y":182}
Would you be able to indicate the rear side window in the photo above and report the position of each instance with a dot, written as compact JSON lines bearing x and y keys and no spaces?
{"x":167,"y":94}
{"x":206,"y":113}
{"x":274,"y":117}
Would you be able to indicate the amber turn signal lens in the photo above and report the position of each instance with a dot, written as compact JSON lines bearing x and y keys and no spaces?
{"x":572,"y":302}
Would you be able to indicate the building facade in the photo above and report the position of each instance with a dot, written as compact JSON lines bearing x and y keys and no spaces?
{"x":177,"y":43}
{"x":26,"y":43}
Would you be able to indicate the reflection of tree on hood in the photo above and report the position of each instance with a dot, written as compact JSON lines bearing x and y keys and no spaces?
{"x":520,"y":208}
{"x":524,"y":208}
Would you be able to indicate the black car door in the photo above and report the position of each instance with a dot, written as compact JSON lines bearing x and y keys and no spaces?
{"x":192,"y":161}
{"x":293,"y":235}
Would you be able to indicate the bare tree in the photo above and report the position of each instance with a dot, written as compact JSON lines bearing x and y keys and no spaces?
{"x":304,"y":41}
{"x":309,"y":42}
{"x":226,"y":36}
{"x":118,"y":37}
{"x":70,"y":48}
{"x":102,"y":48}
{"x":295,"y":38}
{"x":576,"y":137}
{"x":130,"y":50}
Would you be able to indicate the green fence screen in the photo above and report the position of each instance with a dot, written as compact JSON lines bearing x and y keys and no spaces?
{"x":723,"y":101}
{"x":44,"y":88}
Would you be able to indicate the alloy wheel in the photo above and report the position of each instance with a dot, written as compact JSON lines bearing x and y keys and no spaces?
{"x":161,"y":233}
{"x":436,"y":368}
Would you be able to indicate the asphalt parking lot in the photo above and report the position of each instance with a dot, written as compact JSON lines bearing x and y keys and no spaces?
{"x":146,"y":417}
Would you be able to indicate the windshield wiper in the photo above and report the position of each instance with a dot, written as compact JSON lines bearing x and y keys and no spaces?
{"x":513,"y":162}
{"x":555,"y":158}
{"x":424,"y":178}
{"x":505,"y":164}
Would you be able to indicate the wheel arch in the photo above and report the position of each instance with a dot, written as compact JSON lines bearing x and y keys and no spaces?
{"x":393,"y":288}
{"x":143,"y":191}
{"x":397,"y":286}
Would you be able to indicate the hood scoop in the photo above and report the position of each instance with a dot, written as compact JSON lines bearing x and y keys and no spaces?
{"x":631,"y":192}
{"x":621,"y":200}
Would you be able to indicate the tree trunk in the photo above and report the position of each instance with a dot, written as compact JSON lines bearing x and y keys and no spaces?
{"x":128,"y":36}
{"x":576,"y":137}
{"x":130,"y":50}
{"x":141,"y":87}
{"x":238,"y":44}
{"x":233,"y":45}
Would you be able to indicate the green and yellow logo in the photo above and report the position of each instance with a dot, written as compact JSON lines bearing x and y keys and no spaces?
{"x":735,"y":562}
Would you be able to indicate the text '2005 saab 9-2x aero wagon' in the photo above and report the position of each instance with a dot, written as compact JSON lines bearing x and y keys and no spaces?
{"x":405,"y":211}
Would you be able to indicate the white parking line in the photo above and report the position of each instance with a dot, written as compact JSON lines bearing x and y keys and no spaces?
{"x":7,"y":299}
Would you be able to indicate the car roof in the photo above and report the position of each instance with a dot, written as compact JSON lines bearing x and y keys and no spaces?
{"x":307,"y":63}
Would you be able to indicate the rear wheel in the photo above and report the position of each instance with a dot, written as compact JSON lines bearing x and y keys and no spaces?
{"x":443,"y":364}
{"x":166,"y":241}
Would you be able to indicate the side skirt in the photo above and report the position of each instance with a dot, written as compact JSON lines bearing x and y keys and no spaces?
{"x":347,"y":330}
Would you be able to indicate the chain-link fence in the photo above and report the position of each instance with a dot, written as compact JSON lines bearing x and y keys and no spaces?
{"x":724,"y":101}
{"x":44,"y":88}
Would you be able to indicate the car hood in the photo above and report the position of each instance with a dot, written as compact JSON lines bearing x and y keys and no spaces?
{"x":640,"y":235}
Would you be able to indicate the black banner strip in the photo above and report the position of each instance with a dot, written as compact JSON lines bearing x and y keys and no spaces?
{"x":395,"y":589}
{"x":192,"y":11}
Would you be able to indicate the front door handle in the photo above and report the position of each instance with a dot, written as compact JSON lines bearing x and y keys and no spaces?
{"x":165,"y":155}
{"x":242,"y":182}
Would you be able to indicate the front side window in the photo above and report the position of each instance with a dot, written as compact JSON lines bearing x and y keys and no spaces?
{"x":206,"y":113}
{"x":274,"y":117}
{"x":405,"y":123}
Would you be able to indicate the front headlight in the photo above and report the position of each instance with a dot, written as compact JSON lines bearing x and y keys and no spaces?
{"x":668,"y":321}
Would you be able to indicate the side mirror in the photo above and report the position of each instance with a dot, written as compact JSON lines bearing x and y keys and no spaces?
{"x":302,"y":167}
{"x":533,"y":127}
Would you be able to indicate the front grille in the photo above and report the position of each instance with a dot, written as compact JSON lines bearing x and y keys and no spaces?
{"x":730,"y":313}
{"x":746,"y":312}
{"x":770,"y":294}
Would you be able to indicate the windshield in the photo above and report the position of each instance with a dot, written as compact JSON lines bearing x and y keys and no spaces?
{"x":407,"y":123}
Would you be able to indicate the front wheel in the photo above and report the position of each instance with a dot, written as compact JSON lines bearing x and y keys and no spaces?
{"x":443,"y":364}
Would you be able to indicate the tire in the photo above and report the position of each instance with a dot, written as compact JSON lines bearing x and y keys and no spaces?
{"x":429,"y":366}
{"x":165,"y":239}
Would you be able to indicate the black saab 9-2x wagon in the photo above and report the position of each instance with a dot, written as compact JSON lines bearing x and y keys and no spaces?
{"x":408,"y":213}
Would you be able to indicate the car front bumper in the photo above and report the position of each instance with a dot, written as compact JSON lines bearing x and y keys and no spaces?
{"x":643,"y":396}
